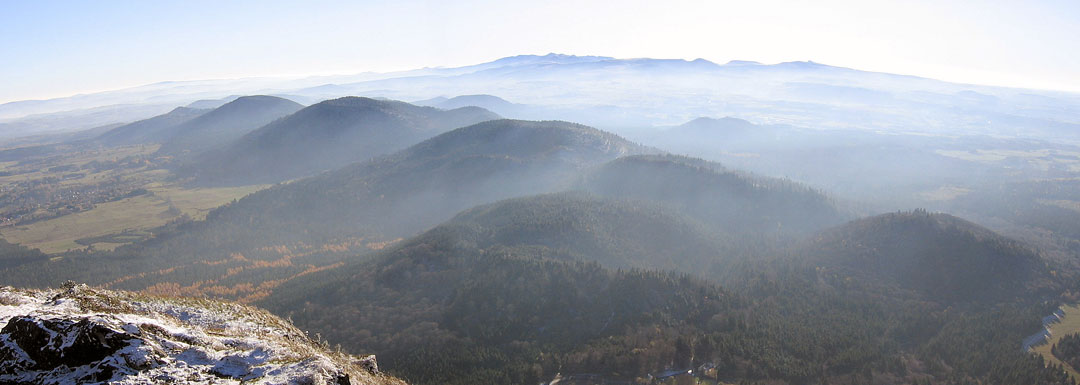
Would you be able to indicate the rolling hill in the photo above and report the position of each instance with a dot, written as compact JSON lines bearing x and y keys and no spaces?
{"x":225,"y":124}
{"x":938,"y":256}
{"x":400,"y":194}
{"x":616,"y":233}
{"x":440,"y":311}
{"x":326,"y":136}
{"x":519,"y":290}
{"x":357,"y":208}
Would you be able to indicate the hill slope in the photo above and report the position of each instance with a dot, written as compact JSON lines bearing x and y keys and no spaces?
{"x":356,"y":208}
{"x":577,"y":226}
{"x":226,"y":123}
{"x":939,"y":256}
{"x":500,"y":294}
{"x":400,"y":194}
{"x":460,"y":315}
{"x":329,"y":135}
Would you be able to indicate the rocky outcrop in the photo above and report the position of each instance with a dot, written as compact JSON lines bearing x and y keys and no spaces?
{"x":81,"y":335}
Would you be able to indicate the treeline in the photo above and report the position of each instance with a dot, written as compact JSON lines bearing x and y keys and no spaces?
{"x":1067,"y":349}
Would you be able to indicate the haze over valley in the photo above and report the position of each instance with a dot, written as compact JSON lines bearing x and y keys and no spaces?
{"x":540,"y":219}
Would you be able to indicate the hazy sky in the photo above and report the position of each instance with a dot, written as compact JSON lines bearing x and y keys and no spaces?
{"x":56,"y":48}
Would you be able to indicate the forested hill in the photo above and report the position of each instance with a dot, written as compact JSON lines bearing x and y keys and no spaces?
{"x":441,"y":312}
{"x":616,"y":233}
{"x":328,"y":135}
{"x":357,"y":208}
{"x":733,"y":201}
{"x":225,"y":124}
{"x":939,"y":256}
{"x":401,"y":194}
{"x":500,"y":294}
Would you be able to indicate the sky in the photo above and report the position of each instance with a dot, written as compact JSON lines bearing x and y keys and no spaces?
{"x":60,"y":48}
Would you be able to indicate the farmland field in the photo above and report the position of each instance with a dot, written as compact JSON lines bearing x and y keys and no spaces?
{"x":1069,"y":324}
{"x":126,"y":220}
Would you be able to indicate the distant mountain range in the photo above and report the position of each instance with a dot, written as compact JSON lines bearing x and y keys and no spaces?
{"x":619,"y":93}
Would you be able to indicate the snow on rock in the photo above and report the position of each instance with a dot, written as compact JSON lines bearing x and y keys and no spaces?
{"x":83,"y":335}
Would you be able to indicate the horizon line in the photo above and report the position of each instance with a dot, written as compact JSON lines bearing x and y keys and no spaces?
{"x":733,"y":62}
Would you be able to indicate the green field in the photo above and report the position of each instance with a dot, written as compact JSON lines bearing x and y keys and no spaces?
{"x":131,"y":216}
{"x":114,"y":223}
{"x":1068,"y":325}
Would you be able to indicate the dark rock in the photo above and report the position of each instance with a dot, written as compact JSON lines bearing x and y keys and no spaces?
{"x":342,"y":379}
{"x":43,"y":341}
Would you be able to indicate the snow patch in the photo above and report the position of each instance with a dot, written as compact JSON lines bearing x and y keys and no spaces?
{"x":149,"y":340}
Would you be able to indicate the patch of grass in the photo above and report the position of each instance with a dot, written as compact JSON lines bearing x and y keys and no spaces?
{"x":197,"y":202}
{"x":1068,"y":325}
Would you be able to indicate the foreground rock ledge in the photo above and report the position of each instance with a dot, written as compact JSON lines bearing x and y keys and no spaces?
{"x":83,"y":335}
